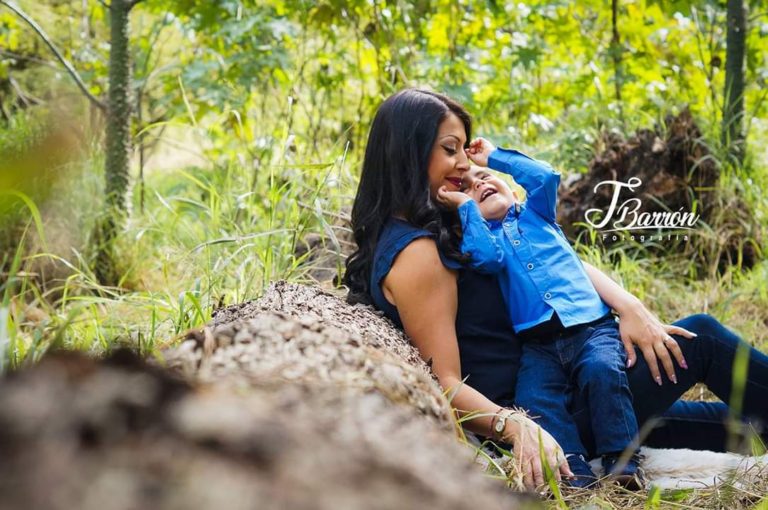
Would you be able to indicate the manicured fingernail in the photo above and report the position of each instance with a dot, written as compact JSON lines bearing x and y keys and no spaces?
{"x":694,"y":334}
{"x":674,"y":379}
{"x":629,"y":363}
{"x":684,"y":364}
{"x":658,"y":380}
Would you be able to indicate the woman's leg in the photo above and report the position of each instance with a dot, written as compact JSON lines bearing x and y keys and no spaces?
{"x":698,"y":425}
{"x":694,"y":425}
{"x":710,"y":358}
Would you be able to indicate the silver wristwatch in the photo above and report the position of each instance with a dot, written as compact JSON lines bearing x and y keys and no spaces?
{"x":501,"y":422}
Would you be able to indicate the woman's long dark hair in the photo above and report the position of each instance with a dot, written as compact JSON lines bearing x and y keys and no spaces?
{"x":395,"y":180}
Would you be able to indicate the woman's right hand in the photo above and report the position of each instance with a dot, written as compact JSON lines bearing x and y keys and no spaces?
{"x":639,"y":326}
{"x":525,"y":434}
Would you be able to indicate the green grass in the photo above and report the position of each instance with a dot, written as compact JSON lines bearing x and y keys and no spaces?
{"x":207,"y":238}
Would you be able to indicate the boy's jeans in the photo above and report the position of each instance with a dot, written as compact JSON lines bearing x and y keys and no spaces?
{"x":592,"y":361}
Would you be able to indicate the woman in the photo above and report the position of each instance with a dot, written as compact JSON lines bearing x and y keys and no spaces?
{"x":408,"y":265}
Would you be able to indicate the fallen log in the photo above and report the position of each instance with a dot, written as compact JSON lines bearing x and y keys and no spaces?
{"x":294,"y":401}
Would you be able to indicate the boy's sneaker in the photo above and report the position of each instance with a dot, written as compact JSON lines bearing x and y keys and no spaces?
{"x":585,"y":478}
{"x":629,"y":475}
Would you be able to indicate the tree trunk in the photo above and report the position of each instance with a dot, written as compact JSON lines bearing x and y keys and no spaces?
{"x":118,"y":143}
{"x":616,"y":56}
{"x":140,"y":140}
{"x":733,"y":109}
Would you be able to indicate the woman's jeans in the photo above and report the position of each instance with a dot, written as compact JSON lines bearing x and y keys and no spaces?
{"x":697,"y":425}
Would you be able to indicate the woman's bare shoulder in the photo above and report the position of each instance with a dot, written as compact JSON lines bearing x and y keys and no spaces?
{"x":417,"y":265}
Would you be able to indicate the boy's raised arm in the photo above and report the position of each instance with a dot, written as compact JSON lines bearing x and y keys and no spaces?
{"x":537,"y":177}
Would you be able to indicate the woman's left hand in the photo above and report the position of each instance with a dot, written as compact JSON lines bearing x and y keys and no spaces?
{"x":451,"y":199}
{"x":532,"y":446}
{"x":638,"y":326}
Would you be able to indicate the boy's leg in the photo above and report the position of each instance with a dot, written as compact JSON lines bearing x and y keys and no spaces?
{"x":599,"y":369}
{"x":544,"y":391}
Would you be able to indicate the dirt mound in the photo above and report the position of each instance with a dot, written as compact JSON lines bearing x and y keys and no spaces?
{"x":670,"y":162}
{"x":677,"y":172}
{"x":272,"y":348}
{"x":324,"y":307}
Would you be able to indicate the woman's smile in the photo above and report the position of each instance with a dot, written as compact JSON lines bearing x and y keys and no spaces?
{"x":456,"y":181}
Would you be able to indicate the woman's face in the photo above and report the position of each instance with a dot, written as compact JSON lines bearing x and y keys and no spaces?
{"x":448,"y":160}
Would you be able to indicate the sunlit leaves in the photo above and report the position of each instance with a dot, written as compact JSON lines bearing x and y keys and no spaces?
{"x":513,"y":63}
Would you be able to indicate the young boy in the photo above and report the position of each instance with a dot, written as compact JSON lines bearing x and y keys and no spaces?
{"x":570,"y":339}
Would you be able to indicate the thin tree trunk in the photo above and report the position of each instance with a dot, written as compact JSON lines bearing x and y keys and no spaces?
{"x":118,"y":142}
{"x":157,"y":29}
{"x":733,"y":109}
{"x":119,"y":107}
{"x":5,"y":86}
{"x":139,"y":121}
{"x":616,"y":56}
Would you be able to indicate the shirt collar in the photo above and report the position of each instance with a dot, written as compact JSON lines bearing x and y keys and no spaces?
{"x":513,"y":212}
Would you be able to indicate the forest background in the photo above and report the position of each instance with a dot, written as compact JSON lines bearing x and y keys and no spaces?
{"x":163,"y":158}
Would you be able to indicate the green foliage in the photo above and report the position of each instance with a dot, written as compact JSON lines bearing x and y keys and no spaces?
{"x":274,"y":97}
{"x":208,"y":237}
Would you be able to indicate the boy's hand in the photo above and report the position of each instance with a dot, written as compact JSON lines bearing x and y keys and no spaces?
{"x":479,"y":150}
{"x":451,"y":199}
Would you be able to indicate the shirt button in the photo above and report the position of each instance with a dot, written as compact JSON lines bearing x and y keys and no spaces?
{"x":529,"y":266}
{"x":516,"y":242}
{"x":547,"y":296}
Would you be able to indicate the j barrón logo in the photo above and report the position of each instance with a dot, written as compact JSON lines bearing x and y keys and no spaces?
{"x":626,"y":216}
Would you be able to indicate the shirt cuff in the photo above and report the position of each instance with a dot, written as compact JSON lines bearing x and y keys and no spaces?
{"x":468,"y":212}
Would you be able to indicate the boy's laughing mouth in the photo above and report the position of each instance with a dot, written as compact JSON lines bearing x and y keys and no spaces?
{"x":487,"y":193}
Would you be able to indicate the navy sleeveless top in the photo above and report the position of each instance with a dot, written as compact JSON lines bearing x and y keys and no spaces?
{"x":488,"y":348}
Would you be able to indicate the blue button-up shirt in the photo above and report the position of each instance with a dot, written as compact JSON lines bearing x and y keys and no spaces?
{"x":539,"y":272}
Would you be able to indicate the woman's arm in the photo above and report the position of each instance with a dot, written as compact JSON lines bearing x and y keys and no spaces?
{"x":425,"y":295}
{"x":639,"y":326}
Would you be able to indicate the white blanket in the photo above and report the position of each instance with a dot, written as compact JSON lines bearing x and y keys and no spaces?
{"x":696,"y":469}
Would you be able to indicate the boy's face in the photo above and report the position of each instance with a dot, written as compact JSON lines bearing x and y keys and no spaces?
{"x":493,"y":196}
